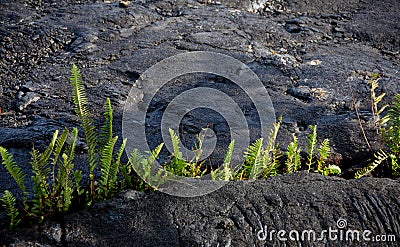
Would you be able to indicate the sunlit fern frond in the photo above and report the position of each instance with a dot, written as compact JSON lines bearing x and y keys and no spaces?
{"x":106,"y":130}
{"x":380,"y":157}
{"x":293,"y":156}
{"x":83,"y":114}
{"x":253,"y":157}
{"x":175,"y":144}
{"x":311,"y":145}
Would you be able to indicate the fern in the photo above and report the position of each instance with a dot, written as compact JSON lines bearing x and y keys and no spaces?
{"x":391,"y":134}
{"x":273,"y":158}
{"x":395,"y":166}
{"x":64,"y":180}
{"x":311,"y":146}
{"x":145,"y":165}
{"x":57,"y":151}
{"x":116,"y":166}
{"x":376,"y":111}
{"x":324,"y":151}
{"x":42,"y":201}
{"x":106,"y":167}
{"x":84,"y":116}
{"x":177,"y":165}
{"x":293,"y":156}
{"x":175,"y":144}
{"x":271,"y":154}
{"x":226,"y":172}
{"x":379,"y":158}
{"x":13,"y":169}
{"x":9,"y":204}
{"x":41,"y":188}
{"x":106,"y":130}
{"x":253,"y":166}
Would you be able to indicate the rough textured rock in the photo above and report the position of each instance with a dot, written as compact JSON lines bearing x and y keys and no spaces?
{"x":232,"y":216}
{"x":314,"y":58}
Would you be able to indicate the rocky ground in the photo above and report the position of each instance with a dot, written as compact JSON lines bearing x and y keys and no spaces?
{"x":313,"y":57}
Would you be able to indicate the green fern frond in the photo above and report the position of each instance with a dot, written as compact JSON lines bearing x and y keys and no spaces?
{"x":13,"y":169}
{"x":271,"y":155}
{"x":273,"y":134}
{"x":271,"y":162}
{"x":311,"y":146}
{"x":376,"y":111}
{"x":175,"y":144}
{"x":106,"y":130}
{"x":66,"y":184}
{"x":395,"y":166}
{"x":9,"y":204}
{"x":41,"y":188}
{"x":63,"y":189}
{"x":44,"y":158}
{"x":84,"y":116}
{"x":106,"y":164}
{"x":324,"y":151}
{"x":117,"y":165}
{"x":391,"y":133}
{"x":177,"y":164}
{"x":226,"y":172}
{"x":59,"y":145}
{"x":253,"y":158}
{"x":156,"y":152}
{"x":380,"y":157}
{"x":293,"y":156}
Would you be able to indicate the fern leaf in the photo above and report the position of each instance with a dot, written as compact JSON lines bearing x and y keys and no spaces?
{"x":59,"y":144}
{"x":156,"y":151}
{"x":43,"y":159}
{"x":254,"y":159}
{"x":273,"y":134}
{"x":324,"y":151}
{"x":106,"y":164}
{"x":379,"y":158}
{"x":115,"y":167}
{"x":271,"y":162}
{"x":395,"y":166}
{"x":13,"y":169}
{"x":66,"y":184}
{"x":106,"y":130}
{"x":293,"y":156}
{"x":311,"y":145}
{"x":175,"y":144}
{"x":83,"y":114}
{"x":57,"y":151}
{"x":9,"y":204}
{"x":226,"y":172}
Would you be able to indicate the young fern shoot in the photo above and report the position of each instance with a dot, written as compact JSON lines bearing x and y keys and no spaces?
{"x":226,"y":172}
{"x":311,"y":146}
{"x":293,"y":160}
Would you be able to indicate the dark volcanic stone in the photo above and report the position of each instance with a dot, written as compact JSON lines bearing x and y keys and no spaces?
{"x":232,"y":216}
